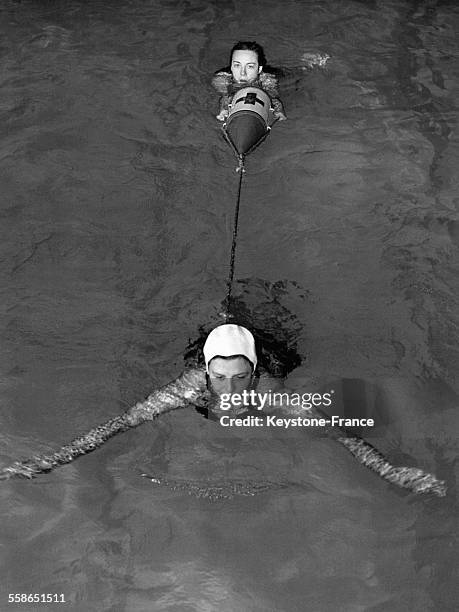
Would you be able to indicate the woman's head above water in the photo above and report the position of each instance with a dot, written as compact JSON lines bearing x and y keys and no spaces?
{"x":247,"y":60}
{"x":231,"y":358}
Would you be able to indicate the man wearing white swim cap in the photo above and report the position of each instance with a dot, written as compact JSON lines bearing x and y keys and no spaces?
{"x":231,"y":359}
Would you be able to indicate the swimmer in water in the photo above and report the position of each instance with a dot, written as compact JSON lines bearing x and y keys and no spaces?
{"x":231,"y":367}
{"x":247,"y":67}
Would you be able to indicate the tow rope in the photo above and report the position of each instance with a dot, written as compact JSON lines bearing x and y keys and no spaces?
{"x":247,"y":126}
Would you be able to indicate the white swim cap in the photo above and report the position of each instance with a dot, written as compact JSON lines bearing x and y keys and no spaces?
{"x":228,"y":340}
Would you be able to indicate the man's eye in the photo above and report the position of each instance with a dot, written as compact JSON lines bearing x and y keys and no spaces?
{"x":241,"y":376}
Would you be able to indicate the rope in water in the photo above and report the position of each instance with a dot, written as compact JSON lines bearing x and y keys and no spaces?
{"x":229,"y":284}
{"x":241,"y":169}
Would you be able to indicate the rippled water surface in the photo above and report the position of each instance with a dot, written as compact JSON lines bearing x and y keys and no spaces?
{"x":116,"y":213}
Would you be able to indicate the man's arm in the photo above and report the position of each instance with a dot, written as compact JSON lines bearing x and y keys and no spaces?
{"x":187,"y":389}
{"x":413,"y":479}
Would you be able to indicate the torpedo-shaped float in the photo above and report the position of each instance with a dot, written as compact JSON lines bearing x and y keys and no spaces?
{"x":248,"y":120}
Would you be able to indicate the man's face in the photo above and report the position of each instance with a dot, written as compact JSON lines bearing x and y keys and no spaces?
{"x":233,"y":375}
{"x":244,"y":66}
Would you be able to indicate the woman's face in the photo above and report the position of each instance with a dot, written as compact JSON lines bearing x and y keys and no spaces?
{"x":244,"y":66}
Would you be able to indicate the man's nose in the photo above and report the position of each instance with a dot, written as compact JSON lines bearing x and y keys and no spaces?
{"x":229,"y":386}
{"x":243,"y":71}
{"x":234,"y":385}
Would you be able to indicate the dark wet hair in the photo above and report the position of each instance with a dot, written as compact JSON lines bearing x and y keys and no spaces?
{"x":249,"y":46}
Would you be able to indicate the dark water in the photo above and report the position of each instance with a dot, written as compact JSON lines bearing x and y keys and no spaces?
{"x":116,"y":212}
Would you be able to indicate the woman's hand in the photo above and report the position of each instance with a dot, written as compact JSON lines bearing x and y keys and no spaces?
{"x":222,"y":115}
{"x":280,"y":115}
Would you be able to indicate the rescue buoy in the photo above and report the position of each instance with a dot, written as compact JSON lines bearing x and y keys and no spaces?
{"x":248,"y":119}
